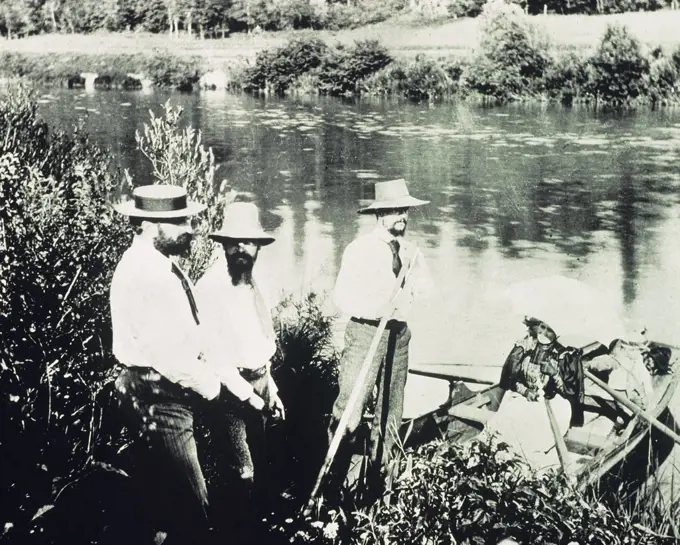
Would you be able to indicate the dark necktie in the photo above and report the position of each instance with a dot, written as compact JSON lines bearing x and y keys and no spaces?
{"x":396,"y":260}
{"x":187,"y":289}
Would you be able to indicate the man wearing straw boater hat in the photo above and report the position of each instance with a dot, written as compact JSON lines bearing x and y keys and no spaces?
{"x":365,"y":290}
{"x":240,"y":341}
{"x":164,"y":379}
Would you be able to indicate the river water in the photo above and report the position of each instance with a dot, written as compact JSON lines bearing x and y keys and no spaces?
{"x":516,"y":192}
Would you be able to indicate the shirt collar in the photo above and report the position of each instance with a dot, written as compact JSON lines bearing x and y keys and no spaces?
{"x":150,"y":255}
{"x":383,"y":234}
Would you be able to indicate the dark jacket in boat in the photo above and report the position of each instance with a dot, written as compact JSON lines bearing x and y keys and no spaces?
{"x":554,"y":368}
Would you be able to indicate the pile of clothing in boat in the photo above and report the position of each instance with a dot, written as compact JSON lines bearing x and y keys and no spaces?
{"x":629,"y":367}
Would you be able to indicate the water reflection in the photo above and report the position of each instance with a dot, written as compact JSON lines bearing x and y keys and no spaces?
{"x":515,"y":192}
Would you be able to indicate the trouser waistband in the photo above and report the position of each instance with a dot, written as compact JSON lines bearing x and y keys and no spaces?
{"x":391,"y":324}
{"x":253,"y":374}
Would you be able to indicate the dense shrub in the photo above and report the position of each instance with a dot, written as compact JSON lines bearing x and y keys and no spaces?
{"x":470,"y":494}
{"x":512,"y":57}
{"x":341,"y":15}
{"x":618,"y":68}
{"x":421,"y":78}
{"x":60,"y":243}
{"x":662,"y":81}
{"x":343,"y":68}
{"x":466,"y":8}
{"x":305,"y":361}
{"x":163,"y":69}
{"x":566,"y":77}
{"x":275,"y":70}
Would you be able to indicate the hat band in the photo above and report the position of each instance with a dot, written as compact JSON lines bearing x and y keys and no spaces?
{"x":160,"y":204}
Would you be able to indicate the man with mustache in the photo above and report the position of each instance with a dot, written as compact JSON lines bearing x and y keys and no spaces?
{"x":363,"y":290}
{"x":240,"y":342}
{"x":163,"y":378}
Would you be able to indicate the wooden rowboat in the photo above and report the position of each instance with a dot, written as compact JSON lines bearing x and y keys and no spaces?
{"x":612,"y":443}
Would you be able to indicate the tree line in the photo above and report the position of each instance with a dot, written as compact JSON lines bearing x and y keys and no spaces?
{"x":218,"y":18}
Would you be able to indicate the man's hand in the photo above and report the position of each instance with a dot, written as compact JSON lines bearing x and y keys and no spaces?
{"x":276,"y":408}
{"x":255,"y":401}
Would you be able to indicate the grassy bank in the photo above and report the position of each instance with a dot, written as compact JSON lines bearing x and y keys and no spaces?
{"x":402,"y":37}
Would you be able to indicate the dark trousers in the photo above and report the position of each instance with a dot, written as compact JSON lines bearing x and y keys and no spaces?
{"x":167,"y":468}
{"x":238,"y":440}
{"x":388,"y":371}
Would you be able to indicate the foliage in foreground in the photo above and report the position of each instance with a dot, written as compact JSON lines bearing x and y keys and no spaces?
{"x":60,"y":242}
{"x":473,"y":494}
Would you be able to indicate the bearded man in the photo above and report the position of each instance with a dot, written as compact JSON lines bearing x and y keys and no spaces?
{"x":363,"y":290}
{"x":240,"y":342}
{"x":164,"y":379}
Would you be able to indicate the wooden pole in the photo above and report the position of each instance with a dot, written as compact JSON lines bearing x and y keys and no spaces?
{"x":354,"y":396}
{"x":562,"y":452}
{"x":637,"y":411}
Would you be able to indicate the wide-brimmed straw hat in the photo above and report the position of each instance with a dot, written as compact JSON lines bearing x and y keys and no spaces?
{"x":391,"y":194}
{"x":160,"y":201}
{"x":242,"y":222}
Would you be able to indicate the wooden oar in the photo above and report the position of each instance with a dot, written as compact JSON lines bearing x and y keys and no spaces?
{"x":450,"y":378}
{"x":560,"y":445}
{"x":637,"y":411}
{"x":354,"y":396}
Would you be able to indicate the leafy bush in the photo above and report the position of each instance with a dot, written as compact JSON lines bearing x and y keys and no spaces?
{"x":163,"y":69}
{"x":422,"y":78}
{"x":276,"y":70}
{"x":466,"y":8}
{"x":361,"y":13}
{"x":471,"y":494}
{"x":566,"y":77}
{"x":178,"y":157}
{"x":512,"y":57}
{"x":305,"y":362}
{"x":662,"y":81}
{"x":60,"y":242}
{"x":342,"y":69}
{"x":618,"y":68}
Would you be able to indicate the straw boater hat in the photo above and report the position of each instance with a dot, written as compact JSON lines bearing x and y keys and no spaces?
{"x":242,"y":222}
{"x":391,"y":194}
{"x":159,"y":202}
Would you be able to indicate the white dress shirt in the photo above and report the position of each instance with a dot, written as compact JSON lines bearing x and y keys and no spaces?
{"x":237,"y":327}
{"x":152,"y":320}
{"x":366,"y":281}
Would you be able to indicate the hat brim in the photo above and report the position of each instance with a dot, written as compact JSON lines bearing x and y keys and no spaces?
{"x":260,"y":236}
{"x":128,"y":208}
{"x":402,"y":202}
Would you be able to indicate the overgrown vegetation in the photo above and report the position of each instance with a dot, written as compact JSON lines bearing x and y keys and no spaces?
{"x":60,"y":242}
{"x":474,"y":494}
{"x":513,"y":62}
{"x":125,"y":71}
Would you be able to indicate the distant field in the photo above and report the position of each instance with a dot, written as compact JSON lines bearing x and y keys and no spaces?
{"x":448,"y":38}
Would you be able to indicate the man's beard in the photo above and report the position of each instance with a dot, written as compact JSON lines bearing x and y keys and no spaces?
{"x":398,"y":229}
{"x":240,"y":266}
{"x":180,"y":246}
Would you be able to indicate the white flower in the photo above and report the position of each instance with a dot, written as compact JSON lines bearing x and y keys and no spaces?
{"x":331,"y":530}
{"x":317,"y":524}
